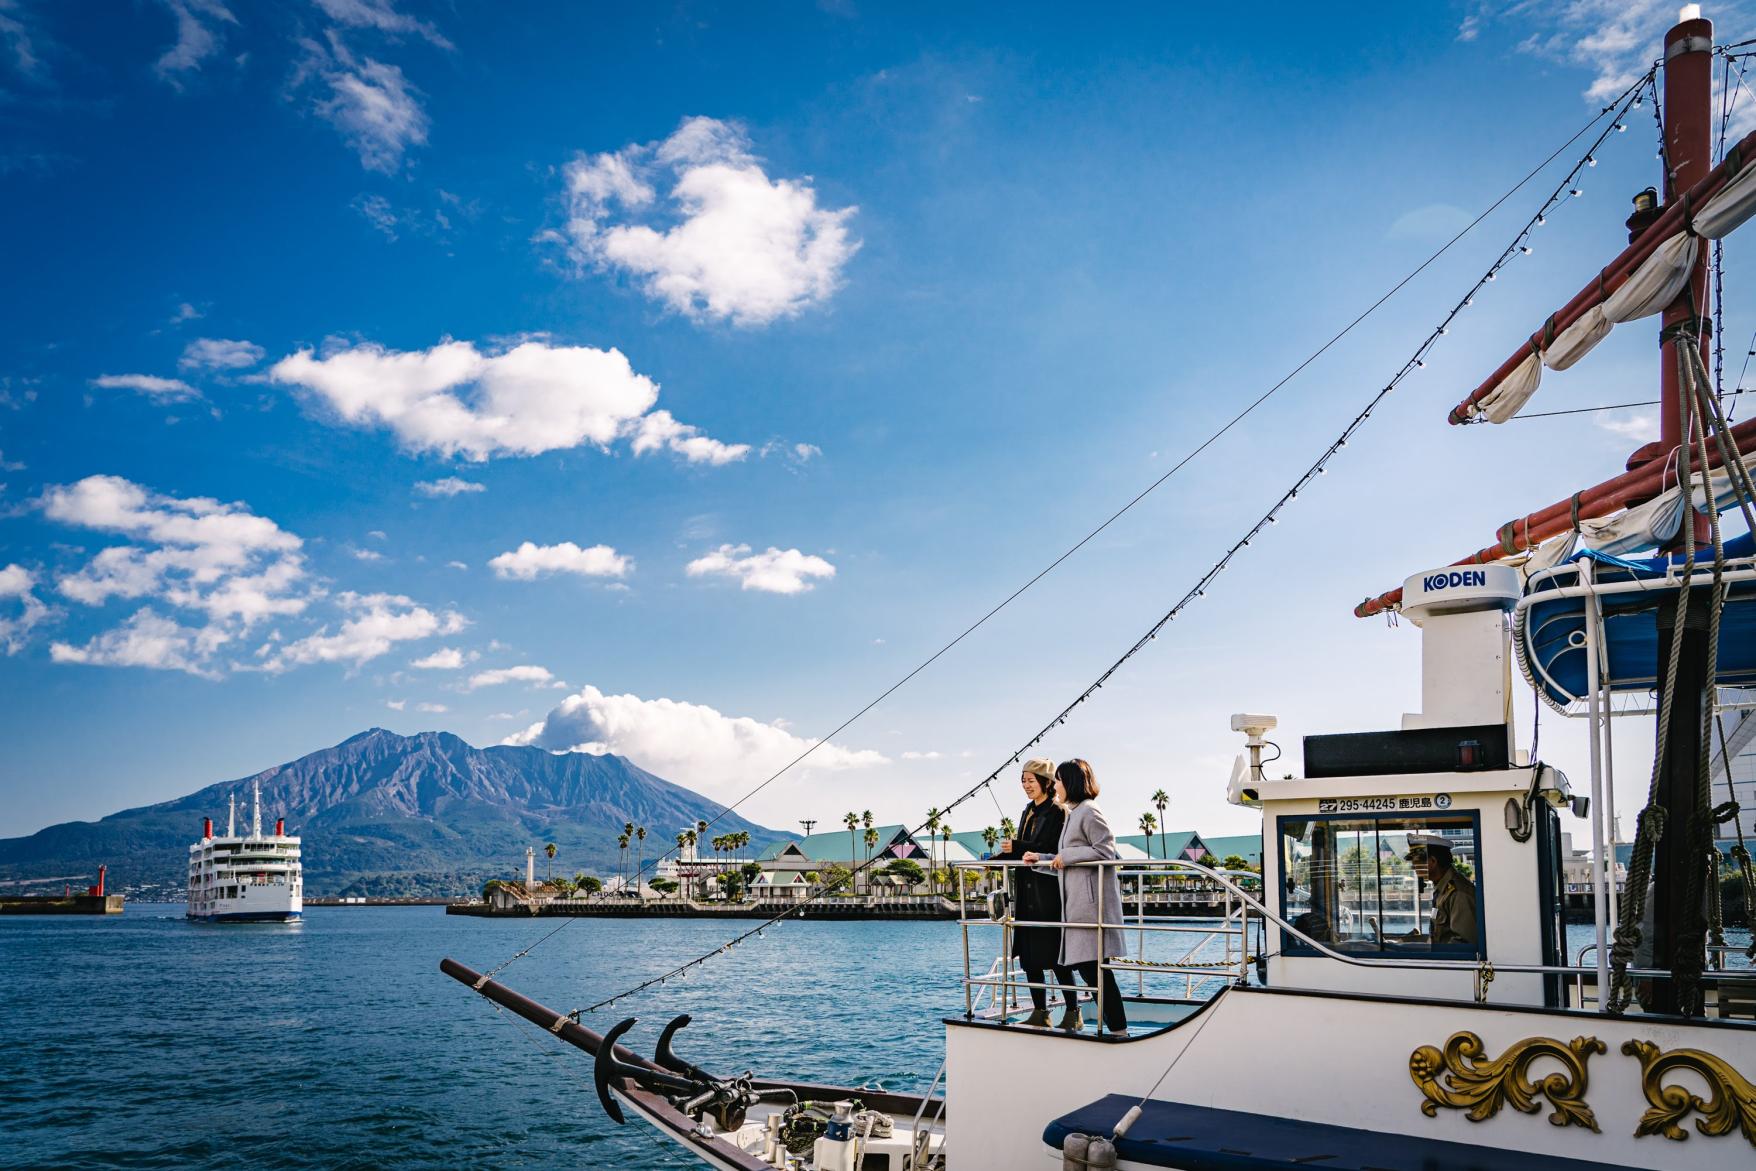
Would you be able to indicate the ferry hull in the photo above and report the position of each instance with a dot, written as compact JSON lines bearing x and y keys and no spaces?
{"x":251,"y":917}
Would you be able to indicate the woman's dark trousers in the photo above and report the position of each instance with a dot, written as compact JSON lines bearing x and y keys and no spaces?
{"x":1115,"y":1014}
{"x":1039,"y":997}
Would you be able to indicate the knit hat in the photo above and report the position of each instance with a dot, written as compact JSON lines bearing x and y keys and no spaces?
{"x":1044,"y":769}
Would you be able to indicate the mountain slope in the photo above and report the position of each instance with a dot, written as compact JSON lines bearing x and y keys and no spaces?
{"x":387,"y":814}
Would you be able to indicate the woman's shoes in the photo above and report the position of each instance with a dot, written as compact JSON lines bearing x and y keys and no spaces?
{"x":1071,"y":1021}
{"x":1038,"y":1019}
{"x":1121,"y":1032}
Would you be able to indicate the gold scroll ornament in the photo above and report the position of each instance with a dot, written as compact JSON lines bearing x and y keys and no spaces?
{"x":1733,"y":1102}
{"x":1459,"y":1078}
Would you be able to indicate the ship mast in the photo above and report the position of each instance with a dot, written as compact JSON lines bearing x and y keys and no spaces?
{"x":1679,"y":920}
{"x":256,"y":809}
{"x":231,"y":815}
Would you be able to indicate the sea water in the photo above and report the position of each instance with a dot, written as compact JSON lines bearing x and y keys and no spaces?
{"x":146,"y":1041}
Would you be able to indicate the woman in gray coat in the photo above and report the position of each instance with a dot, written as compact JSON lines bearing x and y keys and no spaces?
{"x":1086,"y":837}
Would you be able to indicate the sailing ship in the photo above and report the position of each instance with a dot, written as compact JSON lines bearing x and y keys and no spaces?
{"x":1395,"y":991}
{"x":246,"y":878}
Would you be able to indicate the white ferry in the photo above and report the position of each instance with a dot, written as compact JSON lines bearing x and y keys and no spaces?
{"x":250,"y":878}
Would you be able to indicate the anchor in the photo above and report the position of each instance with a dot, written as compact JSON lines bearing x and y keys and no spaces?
{"x":688,"y":1087}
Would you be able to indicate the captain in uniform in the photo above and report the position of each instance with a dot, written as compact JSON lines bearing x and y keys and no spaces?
{"x":1454,"y":896}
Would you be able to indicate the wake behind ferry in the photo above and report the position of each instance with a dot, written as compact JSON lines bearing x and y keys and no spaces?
{"x":253,"y":878}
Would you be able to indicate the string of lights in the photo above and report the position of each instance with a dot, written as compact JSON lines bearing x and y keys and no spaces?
{"x":1416,"y":361}
{"x":814,"y":745}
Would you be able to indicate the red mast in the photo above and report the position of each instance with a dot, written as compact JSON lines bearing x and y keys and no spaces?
{"x":1688,"y":155}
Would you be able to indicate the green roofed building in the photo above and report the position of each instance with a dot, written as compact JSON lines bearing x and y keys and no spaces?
{"x":831,"y":848}
{"x":1246,"y":846}
{"x":1184,"y":845}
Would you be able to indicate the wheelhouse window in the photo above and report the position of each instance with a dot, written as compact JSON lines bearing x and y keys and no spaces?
{"x":1383,"y":885}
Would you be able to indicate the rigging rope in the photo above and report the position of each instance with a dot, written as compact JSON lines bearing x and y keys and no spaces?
{"x":1626,"y":100}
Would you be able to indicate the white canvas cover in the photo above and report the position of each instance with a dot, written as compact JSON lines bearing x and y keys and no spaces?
{"x":1656,"y":282}
{"x":1513,"y":391}
{"x":1577,"y":340}
{"x":1646,"y":526}
{"x":1726,"y":212}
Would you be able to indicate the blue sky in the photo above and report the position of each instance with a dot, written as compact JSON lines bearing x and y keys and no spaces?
{"x":672,"y":379}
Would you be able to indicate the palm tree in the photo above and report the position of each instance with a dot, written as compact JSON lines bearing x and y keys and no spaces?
{"x":744,"y":839}
{"x":852,"y":821}
{"x":682,"y":840}
{"x":622,"y":860}
{"x":550,"y":851}
{"x":639,"y":856}
{"x":992,"y":837}
{"x":932,"y":865}
{"x":871,"y":838}
{"x":1161,"y":799}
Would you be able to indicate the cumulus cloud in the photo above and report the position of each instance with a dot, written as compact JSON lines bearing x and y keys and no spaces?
{"x":457,"y":400}
{"x":448,"y":486}
{"x":527,"y":673}
{"x":921,"y":755}
{"x":164,"y":390}
{"x":774,"y":571}
{"x":148,"y":639}
{"x":377,"y":111}
{"x":431,"y":707}
{"x":396,"y":705}
{"x":689,"y":743}
{"x":725,"y":242}
{"x":220,"y":561}
{"x":530,"y":561}
{"x":1615,"y":40}
{"x":446,"y":658}
{"x":659,"y":429}
{"x":376,"y":624}
{"x":199,"y":36}
{"x":18,"y":589}
{"x":218,"y":353}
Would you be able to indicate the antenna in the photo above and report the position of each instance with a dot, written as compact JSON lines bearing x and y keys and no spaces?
{"x":808,"y":823}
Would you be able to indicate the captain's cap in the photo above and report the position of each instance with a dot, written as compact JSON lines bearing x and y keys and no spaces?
{"x":1420,"y":844}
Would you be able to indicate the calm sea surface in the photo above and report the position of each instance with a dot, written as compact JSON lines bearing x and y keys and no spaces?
{"x":149,"y":1042}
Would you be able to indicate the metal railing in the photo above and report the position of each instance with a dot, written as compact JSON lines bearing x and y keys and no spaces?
{"x":999,"y":985}
{"x":1240,"y":904}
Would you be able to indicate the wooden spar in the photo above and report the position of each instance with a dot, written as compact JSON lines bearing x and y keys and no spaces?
{"x":572,"y":1032}
{"x":1614,"y":275}
{"x":1643,"y":483}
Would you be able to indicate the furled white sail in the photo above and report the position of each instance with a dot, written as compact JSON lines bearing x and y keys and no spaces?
{"x":1633,"y":530}
{"x":1652,"y":286}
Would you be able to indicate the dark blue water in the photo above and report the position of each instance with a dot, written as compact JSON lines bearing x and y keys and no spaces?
{"x":149,"y":1042}
{"x":145,"y":1041}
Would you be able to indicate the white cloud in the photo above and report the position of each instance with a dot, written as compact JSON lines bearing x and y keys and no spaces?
{"x":380,"y":16}
{"x":530,"y":399}
{"x":733,"y":244}
{"x":373,"y":105}
{"x":527,"y":673}
{"x":396,"y":705}
{"x":17,"y":582}
{"x":198,"y":37}
{"x":922,"y":755}
{"x":448,"y":486}
{"x":529,"y":561}
{"x":774,"y":571}
{"x":1617,"y":40}
{"x":197,"y":553}
{"x":444,"y":659}
{"x":365,"y":555}
{"x":186,"y":312}
{"x":377,"y":624}
{"x":1640,"y":427}
{"x":455,"y":565}
{"x":689,"y":743}
{"x":221,"y":561}
{"x":19,"y":42}
{"x":1434,"y":222}
{"x":218,"y":353}
{"x":659,"y":429}
{"x":148,"y":639}
{"x":164,"y":390}
{"x":431,"y":707}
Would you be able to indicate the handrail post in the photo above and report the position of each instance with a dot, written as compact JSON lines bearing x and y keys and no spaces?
{"x":963,"y":924}
{"x":1006,"y":930}
{"x":1140,"y":901}
{"x":1100,"y":947}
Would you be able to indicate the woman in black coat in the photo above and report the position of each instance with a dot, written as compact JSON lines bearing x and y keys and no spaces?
{"x":1038,"y":896}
